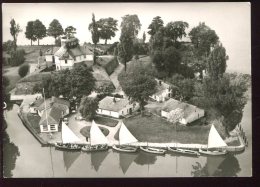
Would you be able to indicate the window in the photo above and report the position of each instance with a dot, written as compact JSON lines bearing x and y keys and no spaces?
{"x":66,"y":61}
{"x":84,"y":56}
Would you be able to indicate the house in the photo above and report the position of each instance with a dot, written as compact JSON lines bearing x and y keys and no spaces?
{"x":190,"y":112}
{"x":62,"y":104}
{"x":34,"y":106}
{"x":71,"y":53}
{"x":116,"y":107}
{"x":163,"y":91}
{"x":50,"y":119}
{"x":49,"y":55}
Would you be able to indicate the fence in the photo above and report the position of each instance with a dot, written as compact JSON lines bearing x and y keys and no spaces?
{"x":242,"y":134}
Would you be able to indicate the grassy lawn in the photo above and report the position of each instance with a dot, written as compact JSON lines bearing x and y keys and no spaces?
{"x":34,"y":121}
{"x":12,"y":74}
{"x":106,"y":121}
{"x":156,"y":129}
{"x":85,"y":131}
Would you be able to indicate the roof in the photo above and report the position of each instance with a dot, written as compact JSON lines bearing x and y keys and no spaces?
{"x":37,"y":102}
{"x":52,"y":50}
{"x":65,"y":52}
{"x":108,"y":104}
{"x":86,"y":49}
{"x":105,"y":59}
{"x":53,"y":115}
{"x":173,"y":104}
{"x":54,"y":102}
{"x":161,"y":87}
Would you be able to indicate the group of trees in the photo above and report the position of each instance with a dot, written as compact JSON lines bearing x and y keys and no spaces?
{"x":76,"y":82}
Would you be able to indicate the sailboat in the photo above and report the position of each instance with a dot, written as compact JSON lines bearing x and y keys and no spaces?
{"x":183,"y":151}
{"x":125,"y":137}
{"x":215,"y":143}
{"x":69,"y":139}
{"x":153,"y":150}
{"x":98,"y":141}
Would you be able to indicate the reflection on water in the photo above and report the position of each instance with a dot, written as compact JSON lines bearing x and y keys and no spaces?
{"x":69,"y":157}
{"x":145,"y":158}
{"x":125,"y":160}
{"x":10,"y":154}
{"x":217,"y":166}
{"x":97,"y":158}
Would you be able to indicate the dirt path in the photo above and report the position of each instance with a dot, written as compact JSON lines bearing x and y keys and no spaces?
{"x":114,"y":78}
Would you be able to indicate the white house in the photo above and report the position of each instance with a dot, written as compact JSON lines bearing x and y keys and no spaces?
{"x":163,"y":91}
{"x":52,"y":121}
{"x":116,"y":107}
{"x":190,"y":112}
{"x":69,"y":54}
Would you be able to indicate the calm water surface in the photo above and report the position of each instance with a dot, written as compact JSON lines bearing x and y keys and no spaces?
{"x":24,"y":157}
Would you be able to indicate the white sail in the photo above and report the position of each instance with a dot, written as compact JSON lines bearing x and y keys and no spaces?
{"x":67,"y":135}
{"x":214,"y":140}
{"x":125,"y":136}
{"x":96,"y":135}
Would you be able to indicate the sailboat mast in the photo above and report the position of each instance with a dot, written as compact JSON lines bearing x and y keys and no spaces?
{"x":45,"y":108}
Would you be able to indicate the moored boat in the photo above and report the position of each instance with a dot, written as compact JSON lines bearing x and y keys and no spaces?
{"x":125,"y":137}
{"x":69,"y":146}
{"x":153,"y":150}
{"x":98,"y":141}
{"x":127,"y":149}
{"x":216,"y":145}
{"x":183,"y":151}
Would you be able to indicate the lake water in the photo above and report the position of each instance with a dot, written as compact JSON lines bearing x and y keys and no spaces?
{"x":24,"y":157}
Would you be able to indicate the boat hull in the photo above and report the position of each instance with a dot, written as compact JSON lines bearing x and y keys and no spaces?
{"x":72,"y":147}
{"x":184,"y":151}
{"x":153,"y":150}
{"x":90,"y":148}
{"x":127,"y":149}
{"x":213,"y":153}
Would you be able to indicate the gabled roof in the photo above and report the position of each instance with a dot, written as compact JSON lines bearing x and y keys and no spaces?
{"x":37,"y":102}
{"x":54,"y":102}
{"x":173,"y":104}
{"x":54,"y":115}
{"x":52,"y":50}
{"x":108,"y":104}
{"x":161,"y":87}
{"x":76,"y":51}
{"x":86,"y":49}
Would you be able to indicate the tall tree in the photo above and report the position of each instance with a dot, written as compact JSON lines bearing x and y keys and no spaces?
{"x":29,"y":34}
{"x":93,"y":28}
{"x":156,"y":24}
{"x":130,"y":26}
{"x":70,"y":31}
{"x":55,"y":29}
{"x":39,"y":30}
{"x":176,"y":30}
{"x":107,"y":28}
{"x":138,"y":84}
{"x":14,"y":30}
{"x":203,"y":38}
{"x":216,"y":65}
{"x":88,"y":107}
{"x":144,"y":37}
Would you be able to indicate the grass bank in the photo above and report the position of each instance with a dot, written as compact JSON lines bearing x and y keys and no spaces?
{"x":158,"y":130}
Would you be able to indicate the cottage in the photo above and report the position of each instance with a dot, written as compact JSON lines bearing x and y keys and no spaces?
{"x":62,"y":104}
{"x":34,"y":106}
{"x":163,"y":91}
{"x":50,"y":120}
{"x":116,"y":107}
{"x":190,"y":112}
{"x":49,"y":54}
{"x":71,"y":53}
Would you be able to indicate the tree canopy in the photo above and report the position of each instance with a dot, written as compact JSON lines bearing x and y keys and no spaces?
{"x":39,"y":30}
{"x":55,"y":29}
{"x":88,"y":107}
{"x":138,"y":84}
{"x":156,"y":24}
{"x":176,"y":30}
{"x":70,"y":31}
{"x":14,"y":30}
{"x":29,"y":34}
{"x":107,"y":28}
{"x":93,"y":27}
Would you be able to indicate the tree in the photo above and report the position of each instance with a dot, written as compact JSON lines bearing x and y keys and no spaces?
{"x":156,"y":24}
{"x":144,"y":37}
{"x":55,"y":29}
{"x":93,"y":28}
{"x":138,"y":84}
{"x":88,"y":107}
{"x":176,"y":30}
{"x":39,"y":30}
{"x":23,"y":70}
{"x":130,"y":26}
{"x":171,"y":60}
{"x":14,"y":30}
{"x":203,"y":38}
{"x":70,"y":31}
{"x":17,"y":57}
{"x":29,"y":34}
{"x":107,"y":28}
{"x":7,"y":46}
{"x":216,"y":65}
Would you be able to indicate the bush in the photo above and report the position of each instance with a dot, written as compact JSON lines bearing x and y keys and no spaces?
{"x":17,"y":57}
{"x":23,"y":70}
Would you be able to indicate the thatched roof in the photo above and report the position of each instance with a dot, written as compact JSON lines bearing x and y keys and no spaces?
{"x":113,"y":104}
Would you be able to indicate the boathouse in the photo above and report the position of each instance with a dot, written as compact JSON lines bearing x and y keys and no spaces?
{"x":190,"y":112}
{"x":116,"y":107}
